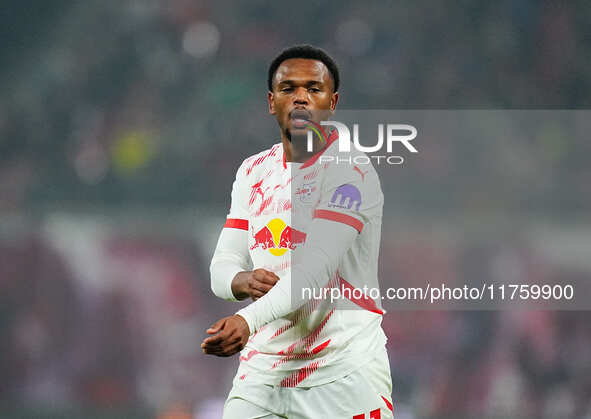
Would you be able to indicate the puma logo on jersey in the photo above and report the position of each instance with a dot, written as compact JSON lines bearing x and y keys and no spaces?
{"x":256,"y":190}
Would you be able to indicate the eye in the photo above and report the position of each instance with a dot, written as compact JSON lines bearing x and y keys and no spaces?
{"x":287,"y":89}
{"x":314,"y":89}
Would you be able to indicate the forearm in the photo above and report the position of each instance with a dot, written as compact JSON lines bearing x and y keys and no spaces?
{"x":229,"y":261}
{"x":222,"y":280}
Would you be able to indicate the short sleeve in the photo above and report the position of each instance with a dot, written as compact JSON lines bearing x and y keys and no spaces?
{"x":238,"y":215}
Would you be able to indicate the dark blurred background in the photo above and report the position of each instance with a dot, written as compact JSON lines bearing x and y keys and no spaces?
{"x":122,"y":124}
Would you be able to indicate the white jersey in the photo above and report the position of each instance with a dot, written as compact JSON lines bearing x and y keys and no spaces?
{"x":319,"y":342}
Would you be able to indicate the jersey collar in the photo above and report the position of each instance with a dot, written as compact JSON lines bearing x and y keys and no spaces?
{"x":334,"y":135}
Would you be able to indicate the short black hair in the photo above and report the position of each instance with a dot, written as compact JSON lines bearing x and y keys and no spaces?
{"x":304,"y":51}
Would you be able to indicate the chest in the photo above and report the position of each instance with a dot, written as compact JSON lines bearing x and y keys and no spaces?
{"x":280,"y":206}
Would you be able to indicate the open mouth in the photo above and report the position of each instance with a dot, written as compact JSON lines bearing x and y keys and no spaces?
{"x":299,"y":118}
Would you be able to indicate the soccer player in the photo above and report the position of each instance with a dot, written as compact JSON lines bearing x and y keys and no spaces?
{"x":309,"y":222}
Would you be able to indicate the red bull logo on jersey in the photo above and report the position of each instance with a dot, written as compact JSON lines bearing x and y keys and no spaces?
{"x":277,"y":237}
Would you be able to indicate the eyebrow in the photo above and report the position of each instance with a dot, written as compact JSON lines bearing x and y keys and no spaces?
{"x":308,"y":83}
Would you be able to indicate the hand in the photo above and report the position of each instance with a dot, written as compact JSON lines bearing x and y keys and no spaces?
{"x":231,"y":334}
{"x":253,"y":284}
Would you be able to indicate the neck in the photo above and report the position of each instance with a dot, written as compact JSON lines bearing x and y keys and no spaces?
{"x":296,"y":150}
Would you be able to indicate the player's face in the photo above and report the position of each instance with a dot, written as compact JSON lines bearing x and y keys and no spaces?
{"x":302,"y":92}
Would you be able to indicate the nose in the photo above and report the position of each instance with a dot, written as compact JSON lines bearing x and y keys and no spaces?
{"x":301,"y":96}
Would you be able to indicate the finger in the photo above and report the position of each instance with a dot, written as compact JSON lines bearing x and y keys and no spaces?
{"x":220,"y":347}
{"x":209,"y":348}
{"x":270,"y":279}
{"x":232,"y":349}
{"x":271,"y":274}
{"x":235,"y":338}
{"x":216,"y":326}
{"x":214,"y":340}
{"x":256,"y":294}
{"x":213,"y":351}
{"x":261,"y":287}
{"x":259,"y":274}
{"x":220,"y":337}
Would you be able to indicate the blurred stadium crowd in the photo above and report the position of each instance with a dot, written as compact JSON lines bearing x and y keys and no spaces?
{"x":89,"y":118}
{"x":120,"y":117}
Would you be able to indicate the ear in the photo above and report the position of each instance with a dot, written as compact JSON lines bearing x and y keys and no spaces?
{"x":333,"y":101}
{"x":271,"y":100}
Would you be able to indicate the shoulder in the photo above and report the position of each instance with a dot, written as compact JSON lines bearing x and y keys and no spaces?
{"x":352,"y":166}
{"x":269,"y":156}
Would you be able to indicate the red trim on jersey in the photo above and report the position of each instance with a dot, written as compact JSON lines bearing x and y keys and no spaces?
{"x":300,"y":375}
{"x":389,"y":404}
{"x":308,"y":340}
{"x":334,"y":135}
{"x":259,"y":159}
{"x":340,"y":218}
{"x":364,"y":301}
{"x":238,"y":223}
{"x":284,"y":163}
{"x":320,"y":347}
{"x":302,"y":355}
{"x":303,"y":311}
